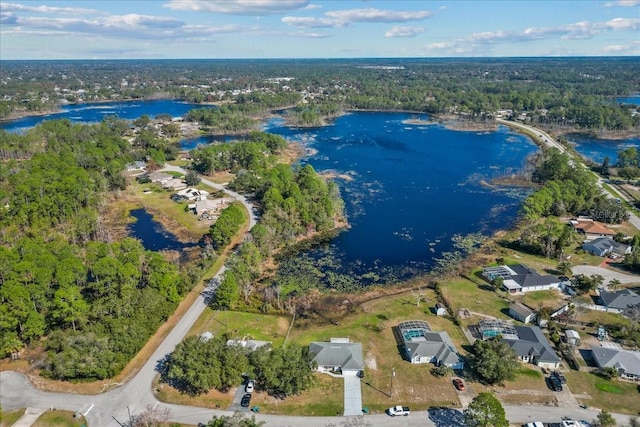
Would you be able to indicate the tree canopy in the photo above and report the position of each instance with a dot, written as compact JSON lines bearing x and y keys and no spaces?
{"x":494,"y":361}
{"x":485,"y":410}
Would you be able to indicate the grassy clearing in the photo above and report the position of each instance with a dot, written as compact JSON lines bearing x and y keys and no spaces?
{"x":463,"y":293}
{"x":324,"y":399}
{"x":613,"y":396}
{"x":538,"y":299}
{"x":242,"y":325}
{"x":213,"y":399}
{"x":59,"y":419}
{"x":9,"y":418}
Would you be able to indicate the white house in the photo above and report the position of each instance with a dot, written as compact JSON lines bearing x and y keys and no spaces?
{"x":626,"y":362}
{"x":421,"y":345}
{"x":604,"y":246}
{"x":193,"y":194}
{"x":521,"y":312}
{"x":337,"y":355}
{"x":519,"y":278}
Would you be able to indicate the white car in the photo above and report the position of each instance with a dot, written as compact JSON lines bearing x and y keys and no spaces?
{"x":251,"y":384}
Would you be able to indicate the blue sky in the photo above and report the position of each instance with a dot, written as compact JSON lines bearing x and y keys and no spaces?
{"x":119,"y":29}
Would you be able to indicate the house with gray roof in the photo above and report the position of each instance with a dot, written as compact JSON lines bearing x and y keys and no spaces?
{"x":422,"y":345}
{"x":618,"y":301}
{"x":627,"y":362}
{"x":604,"y":246}
{"x":521,"y":312}
{"x":339,"y":354}
{"x":436,"y":348}
{"x":532,"y":346}
{"x":519,"y":278}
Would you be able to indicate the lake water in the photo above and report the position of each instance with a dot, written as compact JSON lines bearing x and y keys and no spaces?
{"x":596,"y":149}
{"x":152,"y":234}
{"x":96,"y":112}
{"x":410,"y":188}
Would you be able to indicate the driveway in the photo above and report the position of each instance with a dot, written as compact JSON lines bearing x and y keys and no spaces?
{"x":608,"y":275}
{"x":352,"y":395}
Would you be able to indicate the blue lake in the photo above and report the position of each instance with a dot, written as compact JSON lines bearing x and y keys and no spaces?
{"x":410,"y":187}
{"x":596,"y":149}
{"x":96,"y":112}
{"x":151,"y":233}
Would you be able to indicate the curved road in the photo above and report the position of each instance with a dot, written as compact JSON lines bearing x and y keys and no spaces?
{"x":551,"y":143}
{"x":247,"y":204}
{"x":113,"y":407}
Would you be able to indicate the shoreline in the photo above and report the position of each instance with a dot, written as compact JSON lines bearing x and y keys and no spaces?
{"x":449,"y":121}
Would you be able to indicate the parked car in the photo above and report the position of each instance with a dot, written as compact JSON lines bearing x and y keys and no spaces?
{"x":459,"y":384}
{"x":554,"y":383}
{"x":398,"y":410}
{"x":558,"y":375}
{"x":246,"y":400}
{"x":251,"y":384}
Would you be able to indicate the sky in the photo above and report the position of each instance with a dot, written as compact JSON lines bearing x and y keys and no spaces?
{"x":222,"y":29}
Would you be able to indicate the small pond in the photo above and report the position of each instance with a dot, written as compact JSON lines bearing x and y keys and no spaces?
{"x":152,"y":234}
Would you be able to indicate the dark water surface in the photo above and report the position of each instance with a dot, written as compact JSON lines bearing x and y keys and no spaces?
{"x":410,"y":187}
{"x":152,"y":234}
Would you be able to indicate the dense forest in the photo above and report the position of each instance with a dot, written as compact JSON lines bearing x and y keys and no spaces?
{"x":97,"y":299}
{"x":568,"y":92}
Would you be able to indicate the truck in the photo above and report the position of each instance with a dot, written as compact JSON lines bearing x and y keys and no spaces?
{"x":398,"y":410}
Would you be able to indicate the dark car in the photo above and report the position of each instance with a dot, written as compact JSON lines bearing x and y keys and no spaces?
{"x":554,"y":383}
{"x":246,"y":400}
{"x":559,"y":376}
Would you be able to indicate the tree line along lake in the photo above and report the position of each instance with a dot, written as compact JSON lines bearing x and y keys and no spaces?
{"x":408,"y":186}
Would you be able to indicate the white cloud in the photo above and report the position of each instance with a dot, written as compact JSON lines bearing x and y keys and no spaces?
{"x":377,"y":15}
{"x":575,"y":31}
{"x":309,"y":22}
{"x":238,"y":7}
{"x":623,"y":24}
{"x":16,"y":7}
{"x":623,"y":3}
{"x":398,"y":31}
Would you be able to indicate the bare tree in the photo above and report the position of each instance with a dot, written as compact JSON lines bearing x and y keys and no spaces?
{"x":152,"y":416}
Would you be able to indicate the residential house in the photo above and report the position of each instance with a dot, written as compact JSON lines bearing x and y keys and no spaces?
{"x":192,"y":194}
{"x":618,"y":301}
{"x":138,"y":165}
{"x":590,"y":229}
{"x":207,"y":206}
{"x":519,"y":278}
{"x":159,"y":177}
{"x":572,"y":337}
{"x":627,"y":362}
{"x":174,"y":184}
{"x":521,"y":312}
{"x":533,"y":347}
{"x":604,"y":246}
{"x":339,"y":354}
{"x":422,"y":345}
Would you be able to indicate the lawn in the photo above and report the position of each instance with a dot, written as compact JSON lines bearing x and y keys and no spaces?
{"x":242,"y":325}
{"x":537,"y":299}
{"x":610,"y":395}
{"x":10,"y":417}
{"x":463,"y":293}
{"x":59,"y":419}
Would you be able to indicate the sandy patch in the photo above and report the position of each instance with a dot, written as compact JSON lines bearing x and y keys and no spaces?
{"x":370,"y":361}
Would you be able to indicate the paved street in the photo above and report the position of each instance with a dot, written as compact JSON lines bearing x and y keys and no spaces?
{"x":608,"y":275}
